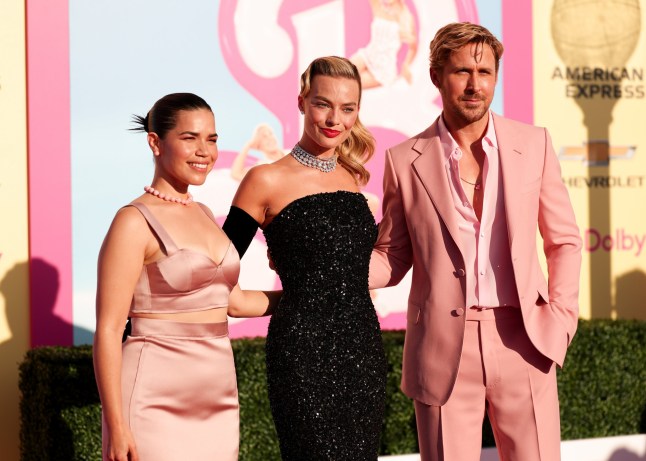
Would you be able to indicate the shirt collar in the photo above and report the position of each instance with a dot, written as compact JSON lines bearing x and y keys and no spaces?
{"x":450,"y":146}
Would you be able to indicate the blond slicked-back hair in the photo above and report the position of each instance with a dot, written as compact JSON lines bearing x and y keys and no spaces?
{"x":454,"y":36}
{"x":355,"y":151}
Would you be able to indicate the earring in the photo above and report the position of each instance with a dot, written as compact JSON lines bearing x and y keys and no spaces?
{"x":302,"y":112}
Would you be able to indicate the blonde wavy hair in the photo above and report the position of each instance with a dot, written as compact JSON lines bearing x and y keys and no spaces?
{"x":355,"y":151}
{"x":454,"y":36}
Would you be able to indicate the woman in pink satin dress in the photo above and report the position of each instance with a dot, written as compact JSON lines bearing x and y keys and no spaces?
{"x":169,"y":391}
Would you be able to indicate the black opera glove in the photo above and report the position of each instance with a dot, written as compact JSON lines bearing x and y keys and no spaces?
{"x":240,"y":227}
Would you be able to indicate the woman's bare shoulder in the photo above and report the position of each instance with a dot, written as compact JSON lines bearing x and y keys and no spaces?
{"x":128,"y":220}
{"x":269,"y":174}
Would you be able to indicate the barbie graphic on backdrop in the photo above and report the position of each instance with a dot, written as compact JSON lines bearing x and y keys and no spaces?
{"x":266,"y":45}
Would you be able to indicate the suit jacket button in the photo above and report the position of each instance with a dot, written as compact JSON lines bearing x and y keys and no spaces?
{"x":461,"y":272}
{"x":459,"y":311}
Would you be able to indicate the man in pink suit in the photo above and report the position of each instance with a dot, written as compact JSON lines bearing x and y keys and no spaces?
{"x":462,"y":203}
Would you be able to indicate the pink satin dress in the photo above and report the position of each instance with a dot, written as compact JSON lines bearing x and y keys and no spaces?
{"x":178,"y":379}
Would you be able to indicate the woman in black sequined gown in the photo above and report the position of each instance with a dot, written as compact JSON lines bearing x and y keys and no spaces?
{"x":325,"y":361}
{"x":326,"y":368}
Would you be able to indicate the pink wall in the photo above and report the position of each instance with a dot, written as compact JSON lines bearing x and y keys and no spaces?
{"x":50,"y":217}
{"x":518,"y":78}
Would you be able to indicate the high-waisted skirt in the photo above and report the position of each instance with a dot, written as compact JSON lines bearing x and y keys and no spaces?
{"x":179,"y":391}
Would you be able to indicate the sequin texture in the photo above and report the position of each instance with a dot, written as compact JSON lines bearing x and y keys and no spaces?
{"x":326,"y":368}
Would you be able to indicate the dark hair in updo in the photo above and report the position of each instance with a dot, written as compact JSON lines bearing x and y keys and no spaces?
{"x":163,"y":115}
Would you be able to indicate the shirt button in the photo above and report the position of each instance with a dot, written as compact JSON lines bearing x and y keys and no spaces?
{"x":461,"y":272}
{"x":481,"y":272}
{"x":481,"y":234}
{"x":459,"y":311}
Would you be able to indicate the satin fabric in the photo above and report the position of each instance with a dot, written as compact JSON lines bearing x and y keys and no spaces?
{"x":178,"y":380}
{"x":179,"y":391}
{"x":185,"y":280}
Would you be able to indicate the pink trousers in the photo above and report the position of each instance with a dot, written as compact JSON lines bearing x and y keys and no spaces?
{"x":502,"y":373}
{"x":179,"y":391}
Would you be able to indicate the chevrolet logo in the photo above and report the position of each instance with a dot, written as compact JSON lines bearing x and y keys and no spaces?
{"x":596,"y":153}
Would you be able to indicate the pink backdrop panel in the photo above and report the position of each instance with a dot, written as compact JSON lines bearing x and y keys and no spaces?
{"x":49,"y":137}
{"x":518,"y":73}
{"x":49,"y":169}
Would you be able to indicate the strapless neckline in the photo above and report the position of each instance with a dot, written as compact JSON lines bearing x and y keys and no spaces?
{"x":305,"y":198}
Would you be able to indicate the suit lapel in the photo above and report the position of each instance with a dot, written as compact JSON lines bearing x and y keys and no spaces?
{"x":430,"y":169}
{"x":511,"y":166}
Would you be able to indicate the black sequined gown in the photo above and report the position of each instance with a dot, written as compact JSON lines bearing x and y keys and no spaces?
{"x":326,"y":368}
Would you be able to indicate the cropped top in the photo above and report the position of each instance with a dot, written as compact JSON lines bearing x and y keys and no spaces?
{"x":184,"y":280}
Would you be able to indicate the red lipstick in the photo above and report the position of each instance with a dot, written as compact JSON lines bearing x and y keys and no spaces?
{"x":330,"y":133}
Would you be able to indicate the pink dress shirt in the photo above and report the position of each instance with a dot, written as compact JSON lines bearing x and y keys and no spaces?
{"x":485,"y":244}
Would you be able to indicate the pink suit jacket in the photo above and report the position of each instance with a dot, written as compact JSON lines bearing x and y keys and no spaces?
{"x":419,"y":229}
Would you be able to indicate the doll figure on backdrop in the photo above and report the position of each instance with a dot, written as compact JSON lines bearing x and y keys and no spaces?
{"x":392,"y":25}
{"x":167,"y":265}
{"x":263,"y":140}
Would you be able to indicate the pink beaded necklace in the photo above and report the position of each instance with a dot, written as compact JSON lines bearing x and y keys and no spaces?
{"x":154,"y":192}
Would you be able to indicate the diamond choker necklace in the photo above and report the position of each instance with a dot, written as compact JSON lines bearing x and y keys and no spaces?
{"x":302,"y":156}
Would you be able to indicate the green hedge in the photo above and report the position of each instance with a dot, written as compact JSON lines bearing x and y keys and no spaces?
{"x":602,"y":392}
